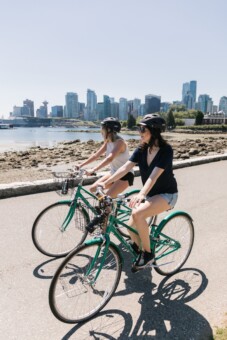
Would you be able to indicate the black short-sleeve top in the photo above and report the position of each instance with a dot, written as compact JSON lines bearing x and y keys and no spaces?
{"x":166,"y":182}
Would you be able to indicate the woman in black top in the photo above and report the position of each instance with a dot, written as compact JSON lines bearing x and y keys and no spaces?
{"x":154,"y":157}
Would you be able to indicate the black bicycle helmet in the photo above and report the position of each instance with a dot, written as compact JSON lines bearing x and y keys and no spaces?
{"x":154,"y":121}
{"x":112,"y":123}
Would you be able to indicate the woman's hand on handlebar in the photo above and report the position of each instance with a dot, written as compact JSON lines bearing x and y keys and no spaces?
{"x":102,"y":185}
{"x":90,"y":172}
{"x":77,"y":167}
{"x":136,"y":200}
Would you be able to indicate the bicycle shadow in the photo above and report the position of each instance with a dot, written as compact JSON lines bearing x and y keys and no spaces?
{"x":164,"y":313}
{"x":47,"y":269}
{"x":109,"y":324}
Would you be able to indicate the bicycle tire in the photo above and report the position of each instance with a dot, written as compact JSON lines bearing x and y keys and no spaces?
{"x":72,"y":296}
{"x":48,"y":236}
{"x":178,"y":228}
{"x":119,"y":228}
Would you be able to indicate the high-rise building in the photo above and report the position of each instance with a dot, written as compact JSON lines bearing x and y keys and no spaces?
{"x":223,"y":104}
{"x":185,"y":90}
{"x":100,"y":111}
{"x":165,"y":106}
{"x":107,"y":106}
{"x":152,"y":103}
{"x":91,"y":110}
{"x":71,"y":105}
{"x":123,"y":109}
{"x":57,"y":111}
{"x":28,"y":108}
{"x":193,"y":88}
{"x":205,"y":103}
{"x":42,"y":112}
{"x":114,"y":110}
{"x":81,"y":108}
{"x":17,"y":111}
{"x":189,"y":94}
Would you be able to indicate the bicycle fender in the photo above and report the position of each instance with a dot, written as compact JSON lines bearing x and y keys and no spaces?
{"x":131,"y":192}
{"x":100,"y":240}
{"x":65,"y":201}
{"x":171,"y":215}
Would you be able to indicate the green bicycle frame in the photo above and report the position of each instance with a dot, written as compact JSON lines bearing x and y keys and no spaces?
{"x":79,"y":198}
{"x":154,"y":237}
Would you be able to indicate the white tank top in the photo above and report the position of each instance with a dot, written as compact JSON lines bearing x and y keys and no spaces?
{"x":118,"y":161}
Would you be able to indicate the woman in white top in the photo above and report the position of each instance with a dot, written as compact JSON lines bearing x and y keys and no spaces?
{"x":117,"y":154}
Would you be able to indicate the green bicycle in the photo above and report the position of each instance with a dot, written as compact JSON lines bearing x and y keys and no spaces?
{"x":88,"y":277}
{"x":60,"y":227}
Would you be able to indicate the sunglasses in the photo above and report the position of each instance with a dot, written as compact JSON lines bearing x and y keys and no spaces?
{"x":142,"y":129}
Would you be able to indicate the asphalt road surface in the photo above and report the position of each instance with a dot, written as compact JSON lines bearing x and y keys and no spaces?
{"x":187,"y":305}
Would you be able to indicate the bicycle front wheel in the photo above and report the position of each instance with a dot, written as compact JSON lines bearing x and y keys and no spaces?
{"x":174,"y":245}
{"x":76,"y":292}
{"x":48,"y":235}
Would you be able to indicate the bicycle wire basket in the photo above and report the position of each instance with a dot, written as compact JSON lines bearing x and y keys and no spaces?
{"x":66,"y":182}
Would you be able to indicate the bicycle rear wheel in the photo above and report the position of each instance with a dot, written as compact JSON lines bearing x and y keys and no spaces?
{"x":175,"y":243}
{"x":48,"y":235}
{"x":75,"y":293}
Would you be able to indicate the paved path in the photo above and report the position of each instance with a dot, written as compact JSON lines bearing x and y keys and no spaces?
{"x":184,"y":306}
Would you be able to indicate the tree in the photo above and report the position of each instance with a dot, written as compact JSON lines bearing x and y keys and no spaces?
{"x":199,"y":118}
{"x":170,"y":121}
{"x":131,"y":121}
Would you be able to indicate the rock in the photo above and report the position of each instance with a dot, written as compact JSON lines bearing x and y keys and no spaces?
{"x":193,"y":152}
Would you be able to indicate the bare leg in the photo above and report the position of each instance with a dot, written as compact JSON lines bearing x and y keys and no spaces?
{"x":157,"y":205}
{"x":135,"y":238}
{"x":116,"y":188}
{"x":102,"y":179}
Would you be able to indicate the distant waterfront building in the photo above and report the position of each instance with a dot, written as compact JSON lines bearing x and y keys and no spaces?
{"x":215,"y":109}
{"x":165,"y":106}
{"x":223,"y":104}
{"x":57,"y":111}
{"x":107,"y":106}
{"x":17,"y":111}
{"x":114,"y":110}
{"x":205,"y":103}
{"x":185,"y":90}
{"x":134,"y":107}
{"x":100,"y":111}
{"x":123,"y":111}
{"x":71,"y":105}
{"x":189,"y":94}
{"x":152,"y":103}
{"x":81,"y":109}
{"x":215,"y":118}
{"x":42,"y":112}
{"x":28,"y":108}
{"x":91,"y":109}
{"x":193,"y":89}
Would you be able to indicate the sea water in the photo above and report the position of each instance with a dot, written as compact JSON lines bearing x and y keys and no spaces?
{"x":22,"y":138}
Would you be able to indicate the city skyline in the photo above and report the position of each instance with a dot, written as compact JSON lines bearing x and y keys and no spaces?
{"x":96,"y":110}
{"x":119,"y":48}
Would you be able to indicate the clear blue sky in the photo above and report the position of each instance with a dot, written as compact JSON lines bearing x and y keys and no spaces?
{"x":122,"y":48}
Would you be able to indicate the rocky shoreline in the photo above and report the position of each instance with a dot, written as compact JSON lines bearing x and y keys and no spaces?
{"x":38,"y":163}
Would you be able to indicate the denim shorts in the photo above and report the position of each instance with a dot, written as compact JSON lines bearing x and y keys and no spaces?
{"x":170,"y":198}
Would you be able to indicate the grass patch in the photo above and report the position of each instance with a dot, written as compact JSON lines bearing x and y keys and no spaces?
{"x":221,"y":334}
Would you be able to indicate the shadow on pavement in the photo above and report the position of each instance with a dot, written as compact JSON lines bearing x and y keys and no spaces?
{"x":47,"y":269}
{"x":164,"y":313}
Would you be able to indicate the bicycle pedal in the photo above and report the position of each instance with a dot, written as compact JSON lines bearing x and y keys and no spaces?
{"x":134,"y":269}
